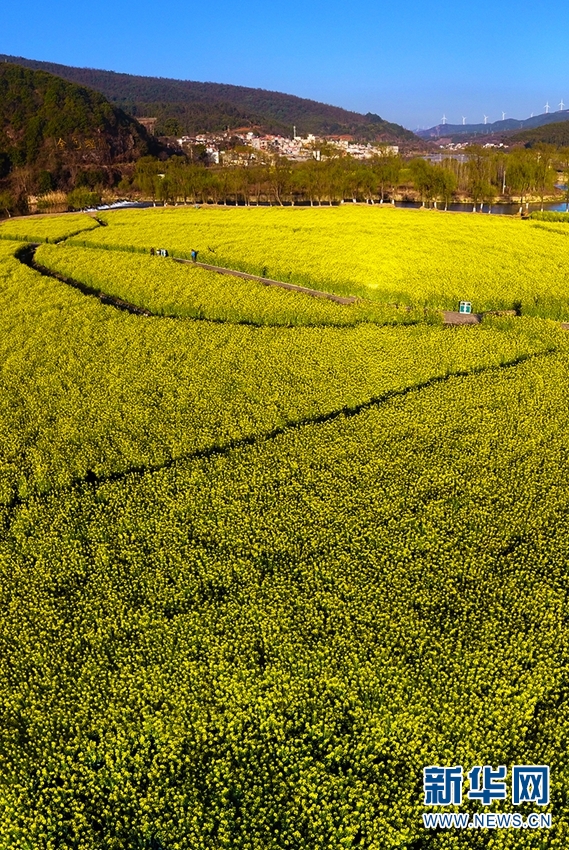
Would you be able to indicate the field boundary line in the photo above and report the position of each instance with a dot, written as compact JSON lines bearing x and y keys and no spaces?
{"x":26,"y":255}
{"x":91,"y":479}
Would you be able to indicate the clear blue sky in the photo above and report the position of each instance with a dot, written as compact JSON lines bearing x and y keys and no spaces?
{"x":409,"y":62}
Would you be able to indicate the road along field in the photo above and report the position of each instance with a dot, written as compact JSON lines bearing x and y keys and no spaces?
{"x":254,"y":578}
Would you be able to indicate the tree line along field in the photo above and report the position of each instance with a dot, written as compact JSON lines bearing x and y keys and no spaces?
{"x":254,"y":577}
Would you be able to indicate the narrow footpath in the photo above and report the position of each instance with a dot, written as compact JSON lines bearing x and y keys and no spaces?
{"x":266,"y":281}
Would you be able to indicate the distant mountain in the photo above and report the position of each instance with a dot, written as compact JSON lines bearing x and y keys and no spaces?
{"x":48,"y":123}
{"x":495,"y":128}
{"x":183,"y":106}
{"x":551,"y":134}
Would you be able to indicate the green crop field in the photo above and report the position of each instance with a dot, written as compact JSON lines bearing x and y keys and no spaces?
{"x":264,"y":557}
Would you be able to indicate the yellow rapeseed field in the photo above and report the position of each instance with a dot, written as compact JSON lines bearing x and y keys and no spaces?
{"x":413,"y":257}
{"x":254,"y":579}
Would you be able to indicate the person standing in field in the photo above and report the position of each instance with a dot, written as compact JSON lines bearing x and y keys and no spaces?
{"x":194,"y":255}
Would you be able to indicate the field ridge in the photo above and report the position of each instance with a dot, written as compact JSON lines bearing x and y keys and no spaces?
{"x":93,"y":480}
{"x":27,"y":256}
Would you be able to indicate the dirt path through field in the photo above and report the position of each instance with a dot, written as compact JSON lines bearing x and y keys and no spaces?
{"x":266,"y":281}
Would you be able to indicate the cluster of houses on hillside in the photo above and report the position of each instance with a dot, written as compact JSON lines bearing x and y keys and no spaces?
{"x":244,"y":147}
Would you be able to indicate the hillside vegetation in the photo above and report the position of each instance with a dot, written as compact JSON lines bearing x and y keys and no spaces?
{"x":55,"y":135}
{"x":184,"y":106}
{"x":550,"y":134}
{"x":46,"y":120}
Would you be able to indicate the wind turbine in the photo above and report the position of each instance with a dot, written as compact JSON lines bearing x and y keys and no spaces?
{"x":546,"y":107}
{"x":463,"y":120}
{"x":561,"y":105}
{"x":503,"y":116}
{"x":485,"y":119}
{"x":444,"y":119}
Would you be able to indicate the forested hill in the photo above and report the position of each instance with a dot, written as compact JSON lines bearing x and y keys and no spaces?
{"x":48,"y":123}
{"x":182,"y":106}
{"x":551,"y":134}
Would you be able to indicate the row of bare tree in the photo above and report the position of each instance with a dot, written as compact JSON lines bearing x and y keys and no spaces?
{"x":478,"y":175}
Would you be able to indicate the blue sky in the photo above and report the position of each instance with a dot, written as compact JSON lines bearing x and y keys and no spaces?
{"x":408,"y":62}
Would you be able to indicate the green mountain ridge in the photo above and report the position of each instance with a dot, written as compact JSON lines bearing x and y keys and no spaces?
{"x":51,"y":130}
{"x":555,"y":133}
{"x":39,"y":110}
{"x":184,"y":106}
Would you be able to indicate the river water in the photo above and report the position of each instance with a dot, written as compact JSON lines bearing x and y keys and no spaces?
{"x":497,"y":209}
